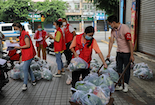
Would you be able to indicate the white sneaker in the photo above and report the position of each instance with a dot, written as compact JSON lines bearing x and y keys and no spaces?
{"x":118,"y":87}
{"x":125,"y":87}
{"x":57,"y":75}
{"x":24,"y":87}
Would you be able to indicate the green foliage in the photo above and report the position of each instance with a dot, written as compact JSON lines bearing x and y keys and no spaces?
{"x":51,"y":10}
{"x":110,"y":6}
{"x":15,"y":10}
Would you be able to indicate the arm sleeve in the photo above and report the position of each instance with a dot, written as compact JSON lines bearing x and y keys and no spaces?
{"x":127,"y":33}
{"x":96,"y":47}
{"x":73,"y":44}
{"x":26,"y":36}
{"x":71,"y":29}
{"x":58,"y":36}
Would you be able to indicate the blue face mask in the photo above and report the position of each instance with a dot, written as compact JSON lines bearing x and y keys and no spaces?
{"x":88,"y":37}
{"x":17,"y":31}
{"x":39,"y":29}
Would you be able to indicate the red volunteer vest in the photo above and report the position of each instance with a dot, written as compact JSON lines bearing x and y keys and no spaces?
{"x":68,"y":35}
{"x":27,"y":53}
{"x":59,"y":46}
{"x":43,"y":36}
{"x":85,"y":52}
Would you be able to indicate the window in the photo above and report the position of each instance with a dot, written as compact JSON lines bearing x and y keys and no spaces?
{"x":85,"y":7}
{"x":77,"y":6}
{"x":6,"y":28}
{"x":91,"y":7}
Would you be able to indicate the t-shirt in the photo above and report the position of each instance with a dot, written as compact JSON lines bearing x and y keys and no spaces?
{"x":119,"y":34}
{"x":95,"y":45}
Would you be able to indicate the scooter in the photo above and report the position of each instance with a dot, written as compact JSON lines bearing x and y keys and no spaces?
{"x":50,"y":47}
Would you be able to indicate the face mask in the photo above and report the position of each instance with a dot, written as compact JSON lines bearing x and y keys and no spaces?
{"x":88,"y":37}
{"x":17,"y":31}
{"x":39,"y":29}
{"x":64,"y":23}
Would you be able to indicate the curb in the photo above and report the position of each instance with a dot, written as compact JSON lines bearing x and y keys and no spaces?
{"x":139,"y":55}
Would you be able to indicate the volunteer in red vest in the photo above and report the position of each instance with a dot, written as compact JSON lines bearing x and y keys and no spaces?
{"x":82,"y":46}
{"x":41,"y":44}
{"x":28,"y":53}
{"x":69,"y":34}
{"x":124,"y":48}
{"x":59,"y":47}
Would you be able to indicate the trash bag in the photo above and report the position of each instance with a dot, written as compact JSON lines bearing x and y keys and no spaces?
{"x":77,"y":95}
{"x":90,"y":99}
{"x":77,"y":63}
{"x":84,"y":86}
{"x":140,"y":65}
{"x":106,"y":80}
{"x":92,"y":78}
{"x":69,"y":80}
{"x":94,"y":65}
{"x":102,"y":94}
{"x":35,"y":66}
{"x":37,"y":75}
{"x":112,"y":58}
{"x":15,"y":74}
{"x":47,"y":74}
{"x":112,"y":73}
{"x":112,"y":65}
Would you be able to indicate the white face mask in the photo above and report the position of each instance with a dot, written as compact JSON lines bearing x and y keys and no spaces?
{"x":64,"y":23}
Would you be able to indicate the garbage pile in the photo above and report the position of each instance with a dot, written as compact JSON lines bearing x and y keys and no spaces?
{"x":142,"y":71}
{"x":40,"y":68}
{"x":93,"y":90}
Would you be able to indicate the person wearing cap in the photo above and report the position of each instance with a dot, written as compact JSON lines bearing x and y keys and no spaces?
{"x":69,"y":34}
{"x":124,"y":48}
{"x":41,"y":44}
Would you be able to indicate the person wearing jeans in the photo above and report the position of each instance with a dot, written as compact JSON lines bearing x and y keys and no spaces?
{"x":28,"y":52}
{"x":26,"y":70}
{"x":59,"y":47}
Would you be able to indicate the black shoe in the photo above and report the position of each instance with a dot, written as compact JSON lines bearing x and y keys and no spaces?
{"x":57,"y":75}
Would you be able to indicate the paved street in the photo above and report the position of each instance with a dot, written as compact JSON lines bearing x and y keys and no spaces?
{"x":56,"y":92}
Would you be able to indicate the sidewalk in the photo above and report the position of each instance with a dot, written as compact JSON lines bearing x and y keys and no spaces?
{"x":56,"y":92}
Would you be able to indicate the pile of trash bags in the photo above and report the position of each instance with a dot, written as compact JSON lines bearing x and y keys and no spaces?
{"x":77,"y":63}
{"x":93,"y":90}
{"x":142,"y":71}
{"x":40,"y":68}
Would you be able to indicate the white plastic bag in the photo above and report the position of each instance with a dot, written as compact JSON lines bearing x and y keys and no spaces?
{"x":77,"y":63}
{"x":69,"y":80}
{"x":47,"y":74}
{"x":15,"y":74}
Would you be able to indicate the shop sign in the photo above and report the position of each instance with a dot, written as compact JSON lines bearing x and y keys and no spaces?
{"x":37,"y":17}
{"x":78,"y":18}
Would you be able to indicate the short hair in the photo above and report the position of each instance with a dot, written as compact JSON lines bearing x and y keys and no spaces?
{"x":112,"y":18}
{"x":89,"y":29}
{"x":58,"y":23}
{"x":64,"y":19}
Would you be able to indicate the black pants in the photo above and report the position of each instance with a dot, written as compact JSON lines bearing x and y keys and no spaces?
{"x":68,"y":53}
{"x":122,"y":59}
{"x":76,"y":75}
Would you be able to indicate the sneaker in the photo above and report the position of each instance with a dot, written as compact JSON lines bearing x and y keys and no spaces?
{"x":125,"y":87}
{"x":57,"y":75}
{"x":62,"y":72}
{"x":24,"y":87}
{"x":34,"y":83}
{"x":118,"y":88}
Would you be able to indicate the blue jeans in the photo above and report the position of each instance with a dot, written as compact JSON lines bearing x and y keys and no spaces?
{"x":26,"y":69}
{"x":59,"y":61}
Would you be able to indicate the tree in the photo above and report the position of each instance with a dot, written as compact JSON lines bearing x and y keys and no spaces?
{"x":15,"y":10}
{"x":51,"y":10}
{"x":110,"y":6}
